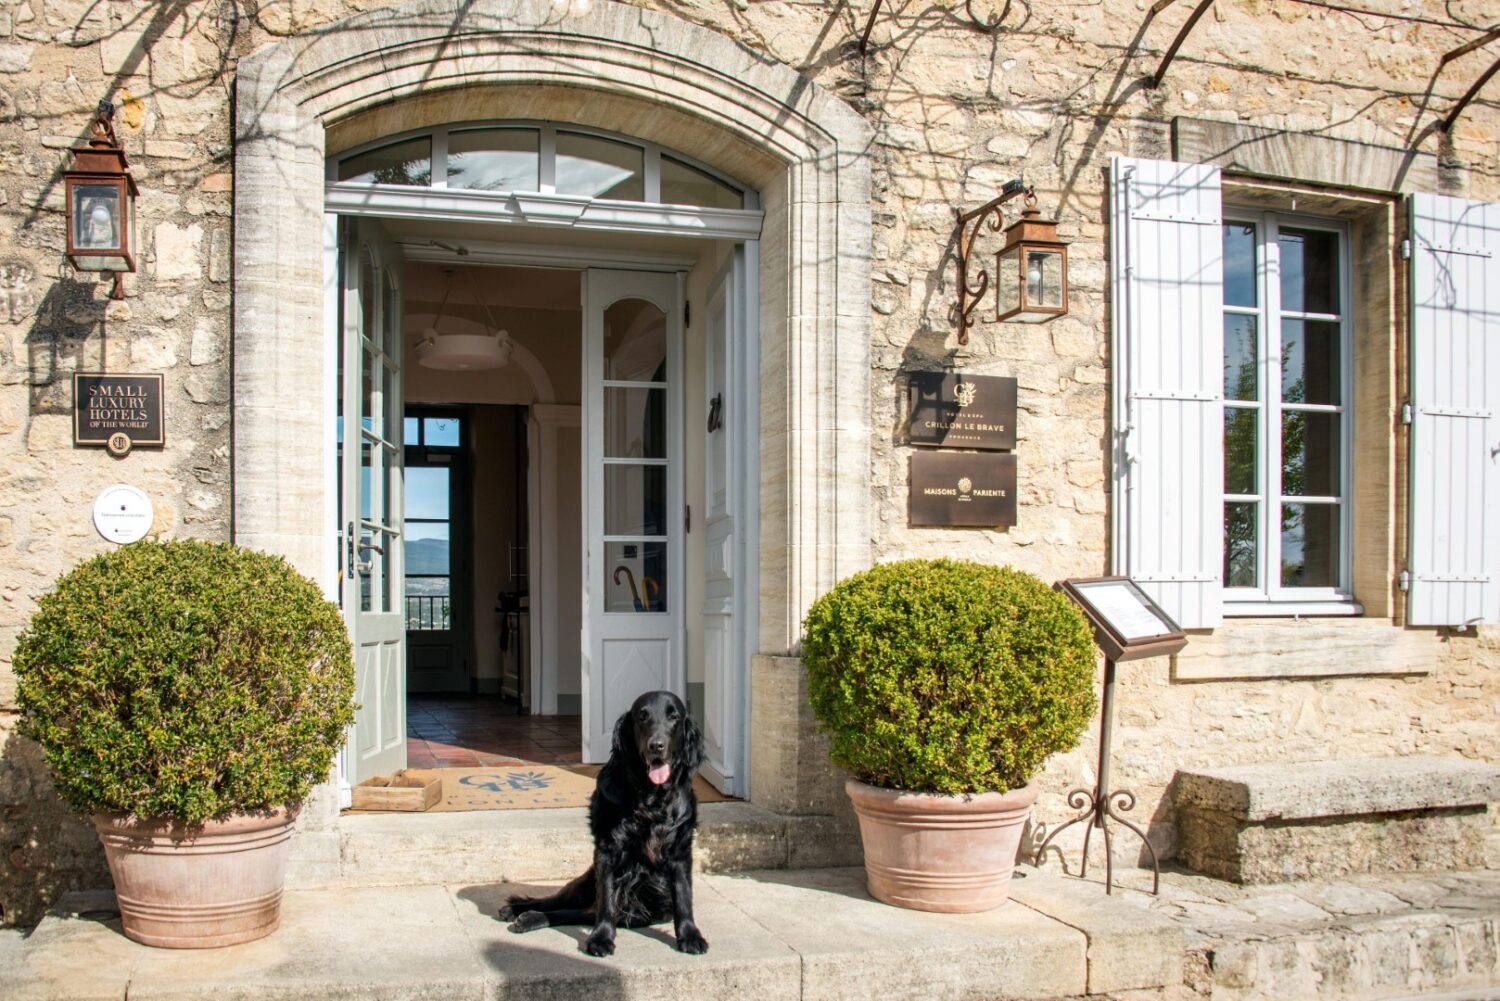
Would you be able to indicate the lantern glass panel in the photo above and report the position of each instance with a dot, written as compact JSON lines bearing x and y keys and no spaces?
{"x":1008,"y":276}
{"x":1044,"y":278}
{"x":97,"y":218}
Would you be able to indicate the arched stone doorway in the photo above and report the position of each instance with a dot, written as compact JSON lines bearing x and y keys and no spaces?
{"x":617,"y":67}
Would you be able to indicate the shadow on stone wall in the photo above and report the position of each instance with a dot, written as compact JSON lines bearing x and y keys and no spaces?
{"x":45,"y":848}
{"x":67,"y":336}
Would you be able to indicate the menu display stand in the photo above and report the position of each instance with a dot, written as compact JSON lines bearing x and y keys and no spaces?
{"x":1128,"y":625}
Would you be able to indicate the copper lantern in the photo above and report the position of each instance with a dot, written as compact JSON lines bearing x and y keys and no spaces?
{"x":101,"y":201}
{"x":1032,"y":270}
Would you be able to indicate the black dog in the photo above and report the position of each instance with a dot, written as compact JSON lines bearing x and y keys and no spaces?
{"x":642,"y":815}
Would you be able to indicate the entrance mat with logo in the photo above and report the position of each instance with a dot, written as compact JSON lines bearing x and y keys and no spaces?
{"x":525,"y":785}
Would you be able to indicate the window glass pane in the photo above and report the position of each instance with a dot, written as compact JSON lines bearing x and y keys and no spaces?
{"x":428,"y":603}
{"x":493,"y":159}
{"x":407,"y":162}
{"x":1310,"y":545}
{"x":1240,"y":451}
{"x":635,"y":423}
{"x":684,"y":185}
{"x":635,"y":500}
{"x":1239,"y":264}
{"x":96,"y":217}
{"x":1309,"y":271}
{"x":1241,"y":544}
{"x":635,"y":576}
{"x":442,"y":431}
{"x":599,"y":168}
{"x":1310,"y":454}
{"x":426,"y":494}
{"x":1240,"y":347}
{"x":426,"y":548}
{"x":1311,"y":362}
{"x":411,"y":430}
{"x":635,"y":342}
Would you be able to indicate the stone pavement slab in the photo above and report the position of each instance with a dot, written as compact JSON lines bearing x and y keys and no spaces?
{"x":809,"y":934}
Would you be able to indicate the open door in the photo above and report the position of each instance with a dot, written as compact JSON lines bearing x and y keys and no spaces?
{"x":723,"y":559}
{"x":370,"y":443}
{"x":632,"y":432}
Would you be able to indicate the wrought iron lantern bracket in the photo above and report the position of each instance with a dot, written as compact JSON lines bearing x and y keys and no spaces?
{"x":969,"y":225}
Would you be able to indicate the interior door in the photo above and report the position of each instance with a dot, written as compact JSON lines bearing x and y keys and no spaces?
{"x":632,"y":499}
{"x":719,"y":718}
{"x":370,"y":442}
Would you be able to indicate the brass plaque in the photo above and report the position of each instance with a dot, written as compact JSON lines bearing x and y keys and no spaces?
{"x":954,"y":410}
{"x":117,"y":411}
{"x":963,"y":489}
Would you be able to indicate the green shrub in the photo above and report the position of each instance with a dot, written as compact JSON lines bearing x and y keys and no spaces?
{"x":948,"y":676}
{"x":185,"y":680}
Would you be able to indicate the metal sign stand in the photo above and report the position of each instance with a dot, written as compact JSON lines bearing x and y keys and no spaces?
{"x":1128,"y":625}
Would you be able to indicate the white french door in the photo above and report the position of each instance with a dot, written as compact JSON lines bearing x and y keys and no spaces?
{"x":633,"y":495}
{"x":372,"y":561}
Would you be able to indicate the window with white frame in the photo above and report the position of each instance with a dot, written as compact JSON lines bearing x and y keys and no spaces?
{"x":1287,"y":426}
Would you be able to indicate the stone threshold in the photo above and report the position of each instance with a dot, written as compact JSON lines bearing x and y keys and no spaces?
{"x":405,"y":849}
{"x":807,"y":934}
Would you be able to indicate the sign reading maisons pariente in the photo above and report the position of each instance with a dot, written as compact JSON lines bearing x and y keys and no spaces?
{"x":117,"y":411}
{"x":954,"y":410}
{"x":963,"y":489}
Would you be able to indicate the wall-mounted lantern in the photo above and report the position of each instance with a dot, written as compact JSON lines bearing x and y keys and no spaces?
{"x":1031,"y":269}
{"x":100,"y":203}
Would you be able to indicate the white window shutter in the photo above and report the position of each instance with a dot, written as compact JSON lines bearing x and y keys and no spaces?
{"x":1455,"y":398}
{"x":1167,"y":277}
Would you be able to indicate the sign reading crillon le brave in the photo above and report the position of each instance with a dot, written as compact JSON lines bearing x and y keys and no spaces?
{"x":975,"y":488}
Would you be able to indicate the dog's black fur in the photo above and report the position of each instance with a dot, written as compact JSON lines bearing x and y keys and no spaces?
{"x":643,"y":836}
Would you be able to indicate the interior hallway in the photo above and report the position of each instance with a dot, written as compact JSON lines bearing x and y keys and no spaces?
{"x":458,"y":732}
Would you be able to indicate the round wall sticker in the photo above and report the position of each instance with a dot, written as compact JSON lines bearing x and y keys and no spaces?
{"x":122,"y":513}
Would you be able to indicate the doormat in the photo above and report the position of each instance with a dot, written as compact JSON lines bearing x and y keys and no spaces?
{"x":525,"y":785}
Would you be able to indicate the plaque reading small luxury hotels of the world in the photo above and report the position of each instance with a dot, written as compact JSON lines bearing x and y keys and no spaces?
{"x":117,"y":411}
{"x":953,"y":410}
{"x":963,"y":489}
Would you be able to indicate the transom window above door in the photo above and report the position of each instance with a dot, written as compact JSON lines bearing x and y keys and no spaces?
{"x":512,"y":157}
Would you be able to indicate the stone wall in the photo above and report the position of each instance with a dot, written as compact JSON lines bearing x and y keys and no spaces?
{"x":957,"y":112}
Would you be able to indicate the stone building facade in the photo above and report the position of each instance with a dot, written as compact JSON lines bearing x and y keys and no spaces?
{"x":228,"y":109}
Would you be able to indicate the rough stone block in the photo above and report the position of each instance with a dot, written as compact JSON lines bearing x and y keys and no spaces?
{"x":1270,"y":823}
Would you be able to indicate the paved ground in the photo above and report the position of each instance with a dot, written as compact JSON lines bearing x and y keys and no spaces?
{"x":805,"y":934}
{"x":1382,"y":935}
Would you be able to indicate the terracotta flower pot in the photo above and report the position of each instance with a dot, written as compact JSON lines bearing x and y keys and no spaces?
{"x":198,"y":888}
{"x":940,"y":853}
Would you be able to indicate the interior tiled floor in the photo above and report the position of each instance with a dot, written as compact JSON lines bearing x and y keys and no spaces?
{"x":472,"y":732}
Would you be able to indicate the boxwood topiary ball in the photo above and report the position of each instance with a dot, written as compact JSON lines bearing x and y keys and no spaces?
{"x":947,"y":676}
{"x":185,"y":681}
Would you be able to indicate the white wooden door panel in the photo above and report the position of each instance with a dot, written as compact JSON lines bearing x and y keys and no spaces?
{"x":633,"y":496}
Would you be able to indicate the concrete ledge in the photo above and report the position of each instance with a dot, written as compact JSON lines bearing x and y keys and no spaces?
{"x":806,"y":935}
{"x":1128,"y":948}
{"x":1282,"y":790}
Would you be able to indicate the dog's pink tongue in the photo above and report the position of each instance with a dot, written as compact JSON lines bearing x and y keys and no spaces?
{"x":659,"y":774}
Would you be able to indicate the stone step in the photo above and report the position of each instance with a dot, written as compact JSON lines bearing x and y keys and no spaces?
{"x":1369,"y":936}
{"x":400,"y":849}
{"x":809,"y":934}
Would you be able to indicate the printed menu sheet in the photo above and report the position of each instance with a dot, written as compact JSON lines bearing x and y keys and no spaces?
{"x":1121,"y":607}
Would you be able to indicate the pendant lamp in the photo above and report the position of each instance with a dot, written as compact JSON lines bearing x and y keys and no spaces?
{"x":463,"y":351}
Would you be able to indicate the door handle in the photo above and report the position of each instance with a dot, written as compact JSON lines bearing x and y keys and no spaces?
{"x":365,"y":546}
{"x":715,"y":406}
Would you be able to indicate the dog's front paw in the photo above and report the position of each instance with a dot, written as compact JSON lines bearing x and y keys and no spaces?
{"x":691,"y":941}
{"x":506,"y":912}
{"x":526,"y":921}
{"x":600,"y":943}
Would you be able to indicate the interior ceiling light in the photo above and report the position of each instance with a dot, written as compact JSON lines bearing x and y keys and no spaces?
{"x":460,"y":351}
